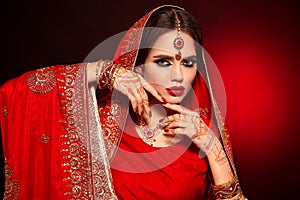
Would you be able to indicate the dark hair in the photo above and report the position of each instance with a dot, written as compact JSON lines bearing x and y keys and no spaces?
{"x":164,"y":20}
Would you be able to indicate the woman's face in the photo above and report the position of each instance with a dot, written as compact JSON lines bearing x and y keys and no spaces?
{"x":172,"y":78}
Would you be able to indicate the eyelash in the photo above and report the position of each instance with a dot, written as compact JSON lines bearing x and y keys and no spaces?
{"x":189,"y":63}
{"x":162,"y":63}
{"x":166,"y":63}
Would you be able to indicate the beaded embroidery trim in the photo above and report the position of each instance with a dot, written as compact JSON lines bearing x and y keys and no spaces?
{"x":42,"y":81}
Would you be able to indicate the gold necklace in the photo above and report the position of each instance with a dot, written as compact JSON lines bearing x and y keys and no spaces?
{"x":147,"y":134}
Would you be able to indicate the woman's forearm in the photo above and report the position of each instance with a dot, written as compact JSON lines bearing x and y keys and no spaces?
{"x":224,"y":179}
{"x":219,"y":164}
{"x":93,"y":70}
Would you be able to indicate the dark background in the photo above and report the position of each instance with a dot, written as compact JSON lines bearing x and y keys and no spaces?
{"x":254,"y":44}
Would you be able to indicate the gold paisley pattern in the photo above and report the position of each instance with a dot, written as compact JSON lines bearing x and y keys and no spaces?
{"x":41,"y":81}
{"x":5,"y":111}
{"x":12,"y":187}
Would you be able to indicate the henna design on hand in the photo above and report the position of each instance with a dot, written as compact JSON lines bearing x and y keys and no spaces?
{"x":206,"y":138}
{"x":219,"y":153}
{"x":200,"y":127}
{"x":205,"y":141}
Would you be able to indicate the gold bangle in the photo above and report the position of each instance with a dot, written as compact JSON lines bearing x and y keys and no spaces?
{"x":239,"y":196}
{"x":226,"y":190}
{"x":105,"y":75}
{"x":98,"y":71}
{"x":226,"y":184}
{"x":114,"y":75}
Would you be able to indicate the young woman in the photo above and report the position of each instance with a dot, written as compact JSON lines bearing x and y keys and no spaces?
{"x":145,"y":126}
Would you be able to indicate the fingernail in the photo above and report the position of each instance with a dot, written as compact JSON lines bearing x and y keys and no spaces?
{"x":162,"y":98}
{"x":141,"y":123}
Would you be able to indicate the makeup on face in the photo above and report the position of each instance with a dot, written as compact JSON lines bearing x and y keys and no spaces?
{"x":176,"y":90}
{"x":170,"y":76}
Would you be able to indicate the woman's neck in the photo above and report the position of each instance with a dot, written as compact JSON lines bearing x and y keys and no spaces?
{"x":158,"y":112}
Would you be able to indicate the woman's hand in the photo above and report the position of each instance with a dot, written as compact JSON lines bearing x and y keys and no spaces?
{"x":189,"y":123}
{"x":134,"y":86}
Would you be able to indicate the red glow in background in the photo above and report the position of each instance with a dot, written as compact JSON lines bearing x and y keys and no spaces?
{"x":254,"y":44}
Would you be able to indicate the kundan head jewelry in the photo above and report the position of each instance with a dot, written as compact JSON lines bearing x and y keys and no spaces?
{"x":178,"y":41}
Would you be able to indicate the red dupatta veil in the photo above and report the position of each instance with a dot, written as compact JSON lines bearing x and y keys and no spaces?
{"x":202,"y":98}
{"x":53,"y":143}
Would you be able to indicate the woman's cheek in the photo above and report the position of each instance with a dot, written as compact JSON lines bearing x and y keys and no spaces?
{"x":158,"y":78}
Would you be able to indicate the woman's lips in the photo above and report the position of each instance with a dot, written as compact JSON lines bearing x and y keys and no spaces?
{"x":176,"y":90}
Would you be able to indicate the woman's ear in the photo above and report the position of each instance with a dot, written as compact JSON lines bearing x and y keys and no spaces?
{"x":139,"y":69}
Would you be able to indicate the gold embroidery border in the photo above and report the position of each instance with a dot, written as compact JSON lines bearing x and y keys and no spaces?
{"x":74,"y":153}
{"x":12,"y":186}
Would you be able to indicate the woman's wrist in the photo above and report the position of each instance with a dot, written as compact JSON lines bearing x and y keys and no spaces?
{"x":229,"y":190}
{"x":105,"y":78}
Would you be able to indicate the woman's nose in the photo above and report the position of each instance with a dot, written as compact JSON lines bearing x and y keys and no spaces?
{"x":176,"y":73}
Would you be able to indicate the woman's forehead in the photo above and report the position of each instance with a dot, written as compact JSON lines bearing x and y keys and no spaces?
{"x":165,"y":43}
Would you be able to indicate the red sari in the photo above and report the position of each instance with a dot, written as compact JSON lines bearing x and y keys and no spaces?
{"x":147,"y":172}
{"x":58,"y":142}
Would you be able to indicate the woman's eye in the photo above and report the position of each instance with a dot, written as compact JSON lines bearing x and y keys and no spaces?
{"x":188,"y":63}
{"x":162,"y":63}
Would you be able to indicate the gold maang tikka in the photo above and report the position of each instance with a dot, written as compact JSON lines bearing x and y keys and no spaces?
{"x":178,"y":41}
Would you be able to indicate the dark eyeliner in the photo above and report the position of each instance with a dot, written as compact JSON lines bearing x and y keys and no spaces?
{"x":162,"y":62}
{"x":188,"y":62}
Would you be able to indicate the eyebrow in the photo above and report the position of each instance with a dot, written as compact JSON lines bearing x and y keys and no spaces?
{"x":192,"y":57}
{"x":161,"y":56}
{"x":167,"y":57}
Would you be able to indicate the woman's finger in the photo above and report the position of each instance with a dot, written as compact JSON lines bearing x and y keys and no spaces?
{"x":178,"y":117}
{"x":145,"y":101}
{"x":151,"y":89}
{"x":171,"y":118}
{"x":173,"y":125}
{"x":178,"y":108}
{"x":133,"y":102}
{"x":176,"y":131}
{"x":139,"y":100}
{"x":145,"y":115}
{"x":185,"y":128}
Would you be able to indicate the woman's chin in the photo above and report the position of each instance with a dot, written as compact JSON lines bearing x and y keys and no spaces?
{"x":174,"y":100}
